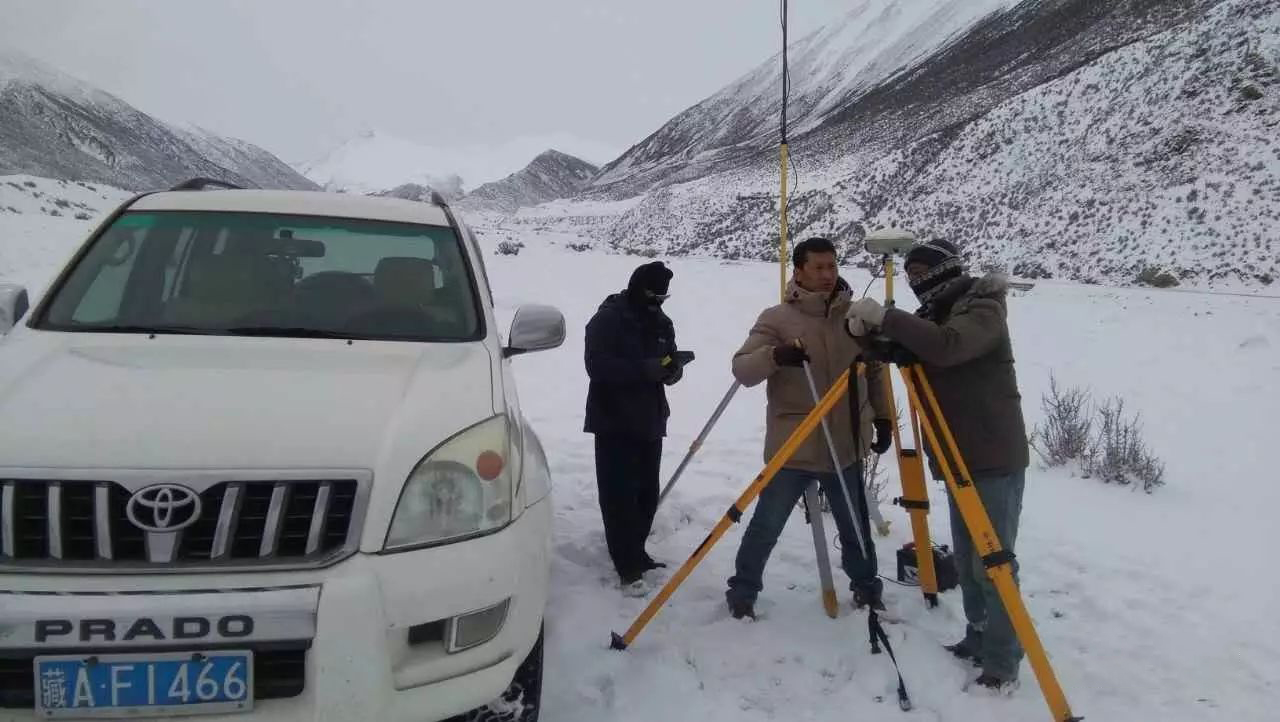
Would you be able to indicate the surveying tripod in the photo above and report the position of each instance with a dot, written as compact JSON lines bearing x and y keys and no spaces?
{"x":925,"y":413}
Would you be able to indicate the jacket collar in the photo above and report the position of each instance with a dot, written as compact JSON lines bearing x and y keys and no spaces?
{"x":820,"y":304}
{"x":993,"y":285}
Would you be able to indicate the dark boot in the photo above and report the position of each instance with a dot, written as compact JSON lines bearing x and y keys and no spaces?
{"x":969,"y":648}
{"x":869,"y":594}
{"x":741,"y":608}
{"x":650,"y":563}
{"x":989,"y":684}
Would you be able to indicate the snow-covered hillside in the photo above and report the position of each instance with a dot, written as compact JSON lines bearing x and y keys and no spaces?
{"x":828,"y":68}
{"x":43,"y":221}
{"x":551,"y":176}
{"x":262,"y":168}
{"x":55,"y":126}
{"x":1152,"y":607}
{"x":1096,"y":141}
{"x":374,"y":161}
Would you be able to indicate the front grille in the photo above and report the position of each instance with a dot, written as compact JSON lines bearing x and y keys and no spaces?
{"x":279,"y":672}
{"x":86,"y":523}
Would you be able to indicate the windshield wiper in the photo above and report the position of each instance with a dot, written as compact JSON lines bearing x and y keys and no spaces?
{"x":127,"y":328}
{"x":286,"y":331}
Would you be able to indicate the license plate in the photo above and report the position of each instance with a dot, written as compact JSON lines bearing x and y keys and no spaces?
{"x":143,"y":685}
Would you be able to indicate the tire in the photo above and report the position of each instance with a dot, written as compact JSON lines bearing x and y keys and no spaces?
{"x":523,"y":698}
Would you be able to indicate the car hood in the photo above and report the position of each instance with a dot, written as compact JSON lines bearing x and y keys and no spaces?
{"x":120,"y":401}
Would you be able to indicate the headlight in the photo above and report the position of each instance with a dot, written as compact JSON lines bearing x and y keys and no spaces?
{"x":464,"y":488}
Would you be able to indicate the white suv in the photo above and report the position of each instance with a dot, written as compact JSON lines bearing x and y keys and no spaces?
{"x":261,"y":456}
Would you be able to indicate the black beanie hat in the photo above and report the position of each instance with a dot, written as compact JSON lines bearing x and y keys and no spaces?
{"x":944,"y":263}
{"x":654,"y":277}
{"x":933,"y":253}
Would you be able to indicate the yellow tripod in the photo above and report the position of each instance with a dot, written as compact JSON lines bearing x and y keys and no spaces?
{"x":915,"y":491}
{"x":925,"y":412}
{"x":997,"y":561}
{"x":735,"y":512}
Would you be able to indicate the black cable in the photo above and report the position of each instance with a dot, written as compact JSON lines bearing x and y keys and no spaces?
{"x":786,"y":103}
{"x":786,"y":73}
{"x":875,"y":275}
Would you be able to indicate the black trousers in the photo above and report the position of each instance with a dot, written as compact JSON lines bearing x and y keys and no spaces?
{"x":627,"y":470}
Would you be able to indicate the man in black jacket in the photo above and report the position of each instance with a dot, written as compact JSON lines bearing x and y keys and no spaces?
{"x":630,"y":356}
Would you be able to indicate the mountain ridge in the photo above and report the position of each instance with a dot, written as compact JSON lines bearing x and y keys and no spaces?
{"x":54,"y":125}
{"x":1054,"y":138}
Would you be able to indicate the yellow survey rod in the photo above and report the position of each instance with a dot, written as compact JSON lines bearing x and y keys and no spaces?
{"x":782,"y":238}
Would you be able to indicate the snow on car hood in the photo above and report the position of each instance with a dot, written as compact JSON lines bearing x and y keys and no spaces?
{"x":115,"y":401}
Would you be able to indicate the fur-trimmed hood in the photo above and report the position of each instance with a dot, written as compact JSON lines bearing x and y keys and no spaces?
{"x":992,"y":285}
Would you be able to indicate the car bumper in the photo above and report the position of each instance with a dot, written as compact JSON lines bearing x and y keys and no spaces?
{"x":360,"y":663}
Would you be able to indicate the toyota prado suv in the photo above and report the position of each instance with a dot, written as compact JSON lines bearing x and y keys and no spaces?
{"x":261,"y":457}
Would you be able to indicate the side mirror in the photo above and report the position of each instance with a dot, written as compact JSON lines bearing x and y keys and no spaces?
{"x":535,"y":328}
{"x":13,"y":306}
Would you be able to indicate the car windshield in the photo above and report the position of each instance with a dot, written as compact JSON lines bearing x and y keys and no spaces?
{"x":209,"y":272}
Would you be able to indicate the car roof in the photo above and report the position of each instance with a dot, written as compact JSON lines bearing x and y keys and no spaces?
{"x":306,"y":203}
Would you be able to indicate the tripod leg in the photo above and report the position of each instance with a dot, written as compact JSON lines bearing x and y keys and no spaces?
{"x":734,"y":514}
{"x":997,"y":561}
{"x":829,"y":601}
{"x":697,"y":442}
{"x":915,"y":495}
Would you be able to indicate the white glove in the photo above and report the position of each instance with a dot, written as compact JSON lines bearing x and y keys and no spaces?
{"x":868,"y":312}
{"x":857,"y":328}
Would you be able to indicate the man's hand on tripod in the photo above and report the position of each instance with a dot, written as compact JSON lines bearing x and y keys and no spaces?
{"x":885,"y":350}
{"x":884,"y":435}
{"x":863,"y":316}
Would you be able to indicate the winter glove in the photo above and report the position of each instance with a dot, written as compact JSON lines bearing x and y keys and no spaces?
{"x":675,"y":372}
{"x":884,"y":435}
{"x":790,"y":355}
{"x":868,"y":312}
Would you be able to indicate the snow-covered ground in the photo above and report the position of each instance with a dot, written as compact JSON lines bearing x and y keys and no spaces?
{"x":43,"y":221}
{"x":1152,"y":607}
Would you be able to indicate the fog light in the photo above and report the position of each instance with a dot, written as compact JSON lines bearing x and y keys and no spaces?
{"x":475,"y":628}
{"x":428,"y":633}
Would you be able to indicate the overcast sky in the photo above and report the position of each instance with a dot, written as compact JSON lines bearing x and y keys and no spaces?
{"x":298,"y":76}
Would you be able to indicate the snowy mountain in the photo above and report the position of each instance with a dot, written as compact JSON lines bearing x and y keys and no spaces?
{"x":828,"y":70}
{"x":55,"y":126}
{"x":551,"y":176}
{"x":261,"y":167}
{"x":1089,"y":139}
{"x":374,"y":161}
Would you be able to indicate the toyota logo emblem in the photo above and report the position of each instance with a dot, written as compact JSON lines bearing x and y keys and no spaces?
{"x":163,"y":508}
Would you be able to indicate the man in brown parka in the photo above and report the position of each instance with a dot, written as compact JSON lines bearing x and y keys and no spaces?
{"x":809,"y":326}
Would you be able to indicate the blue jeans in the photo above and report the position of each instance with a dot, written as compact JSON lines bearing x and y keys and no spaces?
{"x":1002,"y":497}
{"x":774,"y":508}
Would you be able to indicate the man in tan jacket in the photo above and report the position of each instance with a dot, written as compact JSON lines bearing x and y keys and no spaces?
{"x":809,"y":326}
